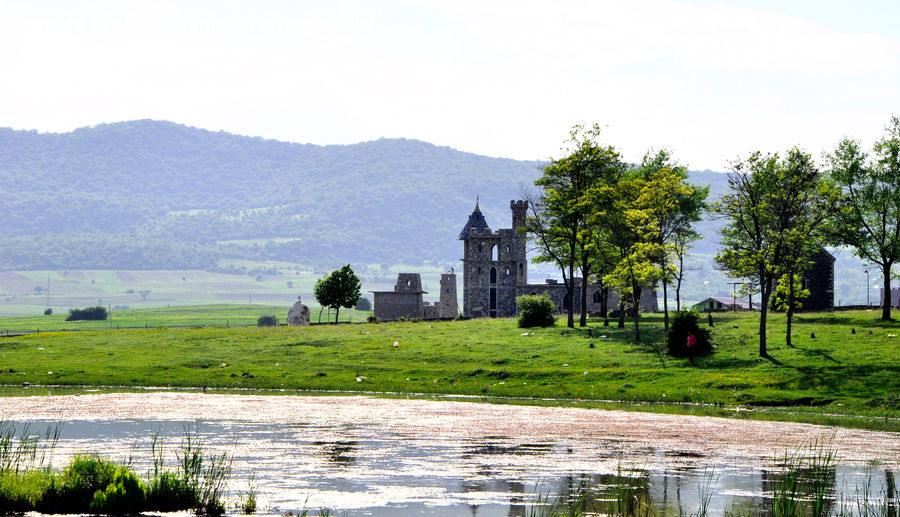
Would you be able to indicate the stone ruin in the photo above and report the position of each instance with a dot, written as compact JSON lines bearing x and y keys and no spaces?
{"x":298,"y":316}
{"x":406,"y":300}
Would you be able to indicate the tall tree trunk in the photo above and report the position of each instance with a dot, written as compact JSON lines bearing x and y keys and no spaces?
{"x":886,"y":306}
{"x":790,"y":308}
{"x":604,"y":299}
{"x":636,"y":296}
{"x":765,"y":289}
{"x":678,"y":283}
{"x":584,"y":275}
{"x":621,"y":311}
{"x":665,"y":310}
{"x":570,"y":290}
{"x":336,"y":312}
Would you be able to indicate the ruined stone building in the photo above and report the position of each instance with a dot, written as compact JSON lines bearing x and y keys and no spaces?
{"x":406,"y":300}
{"x":495,"y":271}
{"x":819,"y":280}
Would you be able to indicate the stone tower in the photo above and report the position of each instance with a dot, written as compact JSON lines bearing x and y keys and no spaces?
{"x":449,"y":306}
{"x":494,"y":263}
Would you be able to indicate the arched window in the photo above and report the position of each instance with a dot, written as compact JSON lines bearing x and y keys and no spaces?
{"x":507,"y":248}
{"x":566,"y":302}
{"x":521,"y":268}
{"x":495,"y":251}
{"x":507,"y":271}
{"x":493,"y":275}
{"x":597,"y":297}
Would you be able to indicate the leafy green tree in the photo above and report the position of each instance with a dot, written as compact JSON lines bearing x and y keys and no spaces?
{"x":557,"y":224}
{"x":775,"y":214}
{"x":340,"y":288}
{"x":672,"y":206}
{"x":681,"y":242}
{"x":624,"y":226}
{"x":871,"y":225}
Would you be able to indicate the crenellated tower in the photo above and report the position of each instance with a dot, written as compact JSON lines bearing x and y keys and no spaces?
{"x":494,"y":264}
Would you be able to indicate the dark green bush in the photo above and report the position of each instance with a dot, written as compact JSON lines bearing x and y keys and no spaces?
{"x":372,"y":319}
{"x":125,"y":495}
{"x":73,"y":490}
{"x":89,"y":313}
{"x":536,"y":311}
{"x":267,"y":321}
{"x":170,"y":492}
{"x":48,"y":312}
{"x":684,"y":323}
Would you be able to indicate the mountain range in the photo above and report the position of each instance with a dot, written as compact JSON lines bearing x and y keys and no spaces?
{"x":158,"y":195}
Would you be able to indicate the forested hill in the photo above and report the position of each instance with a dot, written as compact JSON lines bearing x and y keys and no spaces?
{"x":148,"y":194}
{"x":159,"y":195}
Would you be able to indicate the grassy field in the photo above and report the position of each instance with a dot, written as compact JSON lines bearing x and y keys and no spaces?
{"x":188,"y":316}
{"x":28,"y":293}
{"x":835,"y":372}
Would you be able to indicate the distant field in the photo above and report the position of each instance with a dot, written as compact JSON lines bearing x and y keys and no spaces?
{"x":171,"y":317}
{"x":847,"y":373}
{"x":271,"y":283}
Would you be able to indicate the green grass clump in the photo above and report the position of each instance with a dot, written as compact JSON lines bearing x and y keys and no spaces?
{"x":95,"y":485}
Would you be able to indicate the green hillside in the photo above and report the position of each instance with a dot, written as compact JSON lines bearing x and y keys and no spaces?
{"x":157,"y":195}
{"x":150,"y":195}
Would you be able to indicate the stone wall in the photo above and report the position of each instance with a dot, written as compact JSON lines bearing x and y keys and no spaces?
{"x":393,"y":305}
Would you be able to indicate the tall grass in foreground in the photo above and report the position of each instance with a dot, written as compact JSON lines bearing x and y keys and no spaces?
{"x":92,"y":484}
{"x":802,"y":484}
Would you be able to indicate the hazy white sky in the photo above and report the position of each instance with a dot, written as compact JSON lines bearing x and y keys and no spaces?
{"x":709,"y":80}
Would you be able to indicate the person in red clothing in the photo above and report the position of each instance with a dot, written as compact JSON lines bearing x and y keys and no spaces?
{"x":691,"y":342}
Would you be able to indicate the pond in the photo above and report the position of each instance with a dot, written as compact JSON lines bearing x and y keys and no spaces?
{"x":390,"y":457}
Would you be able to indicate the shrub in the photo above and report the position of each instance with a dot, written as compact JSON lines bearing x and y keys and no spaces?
{"x":89,"y":313}
{"x":372,"y":319}
{"x":169,"y":492}
{"x":267,"y":321}
{"x":364,"y":304}
{"x":124,"y":495}
{"x":684,"y":323}
{"x":48,"y":312}
{"x":73,"y":490}
{"x":536,"y":311}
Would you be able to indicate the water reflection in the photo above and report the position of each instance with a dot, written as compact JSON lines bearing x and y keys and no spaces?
{"x":365,"y":469}
{"x":338,"y":453}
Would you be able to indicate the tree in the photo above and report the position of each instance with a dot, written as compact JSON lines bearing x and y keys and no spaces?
{"x":340,"y":288}
{"x":871,"y":224}
{"x":558,"y":221}
{"x":681,"y":242}
{"x":364,"y":304}
{"x":672,"y":206}
{"x":621,"y":224}
{"x":775,"y":214}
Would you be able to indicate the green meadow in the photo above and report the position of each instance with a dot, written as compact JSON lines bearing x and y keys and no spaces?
{"x":842,"y":364}
{"x":239,"y":315}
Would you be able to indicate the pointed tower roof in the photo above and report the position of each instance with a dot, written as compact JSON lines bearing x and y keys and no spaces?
{"x":476,"y":220}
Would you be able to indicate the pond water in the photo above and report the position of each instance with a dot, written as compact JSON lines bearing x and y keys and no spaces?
{"x":390,"y":457}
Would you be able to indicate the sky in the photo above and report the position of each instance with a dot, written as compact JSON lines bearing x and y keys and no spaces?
{"x":710,"y":81}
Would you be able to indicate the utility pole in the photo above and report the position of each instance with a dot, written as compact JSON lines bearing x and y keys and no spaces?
{"x":867,"y":288}
{"x":734,"y":294}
